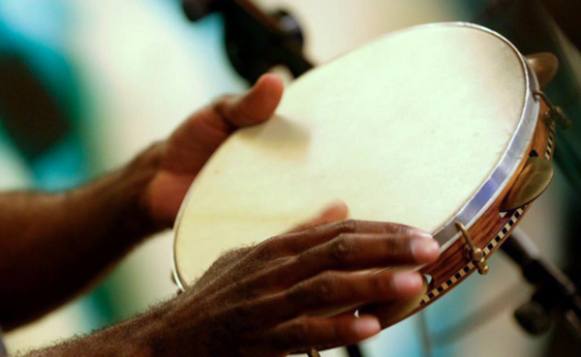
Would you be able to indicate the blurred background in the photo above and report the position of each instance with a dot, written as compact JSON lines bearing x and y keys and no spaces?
{"x":86,"y":84}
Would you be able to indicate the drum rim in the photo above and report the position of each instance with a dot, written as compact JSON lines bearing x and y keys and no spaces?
{"x":487,"y":193}
{"x":514,"y":154}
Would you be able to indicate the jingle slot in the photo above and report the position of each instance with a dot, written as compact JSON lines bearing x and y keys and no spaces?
{"x":428,"y":279}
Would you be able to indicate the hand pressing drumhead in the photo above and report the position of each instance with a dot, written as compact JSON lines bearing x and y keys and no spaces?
{"x":297,"y":291}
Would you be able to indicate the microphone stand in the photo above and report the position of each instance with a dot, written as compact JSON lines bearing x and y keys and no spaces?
{"x":255,"y":41}
{"x":555,"y":296}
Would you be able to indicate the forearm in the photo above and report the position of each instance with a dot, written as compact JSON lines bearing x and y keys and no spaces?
{"x":135,"y":337}
{"x":161,"y":331}
{"x":53,"y":245}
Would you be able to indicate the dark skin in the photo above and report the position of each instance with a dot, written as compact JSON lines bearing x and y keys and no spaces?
{"x":290,"y":293}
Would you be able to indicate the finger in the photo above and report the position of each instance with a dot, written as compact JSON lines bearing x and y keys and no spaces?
{"x":300,"y":241}
{"x":270,"y":249}
{"x":364,"y":250}
{"x":279,"y":246}
{"x":256,"y":106}
{"x":335,"y":292}
{"x":337,"y":211}
{"x":305,"y":333}
{"x":353,"y":251}
{"x":331,"y":293}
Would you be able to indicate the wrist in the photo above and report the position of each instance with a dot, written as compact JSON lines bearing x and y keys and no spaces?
{"x":160,"y":332}
{"x":117,"y":202}
{"x":138,"y":176}
{"x":184,"y":326}
{"x":132,"y":185}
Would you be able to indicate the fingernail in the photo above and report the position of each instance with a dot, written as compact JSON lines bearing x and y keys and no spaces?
{"x":366,"y":326}
{"x":407,"y":280}
{"x":425,"y":250}
{"x":421,"y":234}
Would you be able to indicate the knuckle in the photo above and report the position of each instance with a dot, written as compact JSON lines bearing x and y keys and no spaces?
{"x":314,"y":292}
{"x":348,"y":226}
{"x":323,"y":288}
{"x":341,"y":248}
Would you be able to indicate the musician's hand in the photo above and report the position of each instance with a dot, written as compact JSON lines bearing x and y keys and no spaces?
{"x":294,"y":292}
{"x":186,"y":151}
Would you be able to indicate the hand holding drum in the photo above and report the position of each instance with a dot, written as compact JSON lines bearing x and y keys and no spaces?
{"x":298,"y":290}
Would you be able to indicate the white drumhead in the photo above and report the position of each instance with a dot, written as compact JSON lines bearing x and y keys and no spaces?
{"x":405,"y":129}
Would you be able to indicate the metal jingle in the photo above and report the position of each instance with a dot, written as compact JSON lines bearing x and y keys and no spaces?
{"x":545,"y":66}
{"x":531,"y":183}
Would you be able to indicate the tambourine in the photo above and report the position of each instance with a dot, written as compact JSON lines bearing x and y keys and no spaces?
{"x":440,"y":126}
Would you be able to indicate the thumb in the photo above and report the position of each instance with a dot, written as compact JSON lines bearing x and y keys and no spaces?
{"x":257,"y":105}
